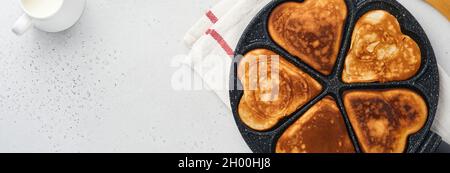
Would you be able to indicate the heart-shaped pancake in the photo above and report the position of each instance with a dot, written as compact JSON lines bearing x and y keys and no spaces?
{"x":320,"y":130}
{"x":380,"y":52}
{"x":273,"y":89}
{"x":383,"y":119}
{"x":310,"y":30}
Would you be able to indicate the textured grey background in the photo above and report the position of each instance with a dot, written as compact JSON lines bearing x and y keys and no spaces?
{"x":104,"y":85}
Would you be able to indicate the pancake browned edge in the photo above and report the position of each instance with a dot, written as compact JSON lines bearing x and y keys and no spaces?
{"x":383,"y":120}
{"x":320,"y":130}
{"x":380,"y":52}
{"x":310,"y":30}
{"x":268,"y":98}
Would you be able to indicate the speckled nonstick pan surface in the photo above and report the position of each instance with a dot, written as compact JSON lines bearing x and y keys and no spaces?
{"x":426,"y":82}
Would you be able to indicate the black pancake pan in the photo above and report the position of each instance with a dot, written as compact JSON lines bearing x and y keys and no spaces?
{"x":426,"y":82}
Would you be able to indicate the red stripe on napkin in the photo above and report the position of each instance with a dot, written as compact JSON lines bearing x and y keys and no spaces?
{"x":214,"y":34}
{"x":212,"y":17}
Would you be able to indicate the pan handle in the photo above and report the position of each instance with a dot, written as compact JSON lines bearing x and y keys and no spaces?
{"x":443,"y":148}
{"x":433,"y":144}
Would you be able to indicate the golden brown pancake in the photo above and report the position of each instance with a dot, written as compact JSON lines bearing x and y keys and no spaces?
{"x":380,"y":52}
{"x":320,"y":130}
{"x":268,"y":98}
{"x":383,"y":120}
{"x":310,"y":30}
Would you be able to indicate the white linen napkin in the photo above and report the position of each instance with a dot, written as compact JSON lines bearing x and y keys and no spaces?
{"x":213,"y":38}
